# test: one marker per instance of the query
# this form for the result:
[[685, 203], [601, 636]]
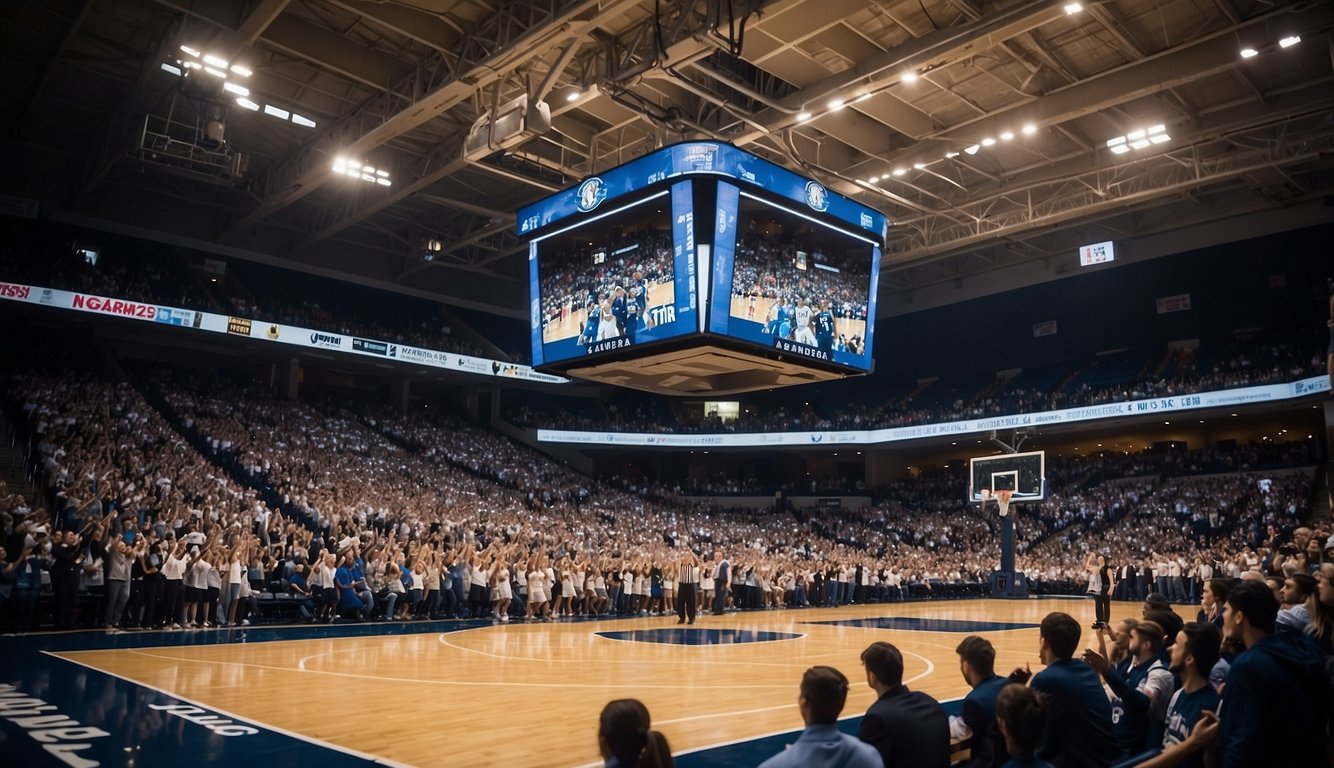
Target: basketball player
[[803, 334], [590, 333], [750, 302], [607, 326], [620, 310], [638, 283], [632, 306], [824, 328], [771, 315]]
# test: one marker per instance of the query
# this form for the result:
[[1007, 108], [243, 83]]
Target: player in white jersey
[[607, 329], [804, 334]]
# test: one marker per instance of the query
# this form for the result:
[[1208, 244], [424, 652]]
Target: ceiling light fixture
[[304, 122], [215, 61], [1007, 135], [1030, 129], [803, 117], [835, 104], [988, 141], [1072, 8], [900, 171], [1247, 53], [216, 72], [1289, 41], [909, 77], [919, 166], [242, 70], [247, 104], [190, 51], [172, 68], [951, 155], [277, 112], [365, 172], [239, 90], [574, 95], [971, 150]]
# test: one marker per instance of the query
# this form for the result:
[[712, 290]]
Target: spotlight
[[1072, 8], [1289, 41], [1030, 129], [909, 77], [988, 141], [1247, 53], [803, 117], [835, 104], [1007, 135]]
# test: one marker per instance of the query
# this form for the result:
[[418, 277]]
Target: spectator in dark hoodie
[[1276, 702]]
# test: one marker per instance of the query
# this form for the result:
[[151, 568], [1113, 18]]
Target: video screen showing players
[[799, 282], [609, 283]]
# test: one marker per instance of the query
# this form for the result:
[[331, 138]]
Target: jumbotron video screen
[[790, 281]]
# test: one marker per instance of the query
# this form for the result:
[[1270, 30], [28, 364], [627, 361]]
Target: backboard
[[1023, 473]]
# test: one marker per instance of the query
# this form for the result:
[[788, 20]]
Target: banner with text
[[1158, 405], [260, 329]]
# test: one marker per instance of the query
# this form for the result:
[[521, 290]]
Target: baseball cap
[[1157, 599]]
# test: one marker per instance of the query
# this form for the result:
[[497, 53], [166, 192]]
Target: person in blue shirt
[[626, 738], [1080, 731], [977, 662], [1021, 718], [27, 575], [1193, 657], [348, 601], [824, 691], [1277, 698], [824, 327]]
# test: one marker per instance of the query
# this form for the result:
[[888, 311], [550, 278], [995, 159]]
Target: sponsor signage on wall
[[310, 338]]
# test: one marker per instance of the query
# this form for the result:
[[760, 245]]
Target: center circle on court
[[693, 636]]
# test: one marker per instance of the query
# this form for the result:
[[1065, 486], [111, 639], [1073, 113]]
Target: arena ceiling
[[981, 129]]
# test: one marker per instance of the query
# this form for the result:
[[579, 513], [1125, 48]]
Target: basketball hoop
[[1003, 500]]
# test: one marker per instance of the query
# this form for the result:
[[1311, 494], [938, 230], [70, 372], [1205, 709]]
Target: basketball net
[[1003, 500]]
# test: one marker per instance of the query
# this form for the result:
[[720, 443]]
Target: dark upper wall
[[1229, 285]]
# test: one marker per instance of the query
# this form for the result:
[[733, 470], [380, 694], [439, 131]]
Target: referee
[[687, 583]]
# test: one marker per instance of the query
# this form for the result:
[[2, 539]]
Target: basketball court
[[842, 326], [464, 693]]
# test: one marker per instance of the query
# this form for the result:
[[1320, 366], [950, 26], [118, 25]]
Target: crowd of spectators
[[261, 490]]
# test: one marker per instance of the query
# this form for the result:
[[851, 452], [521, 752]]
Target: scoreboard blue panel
[[782, 267]]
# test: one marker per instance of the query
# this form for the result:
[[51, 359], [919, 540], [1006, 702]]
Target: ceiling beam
[[309, 168]]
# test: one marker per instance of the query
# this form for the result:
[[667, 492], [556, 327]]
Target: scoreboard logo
[[591, 194], [817, 197]]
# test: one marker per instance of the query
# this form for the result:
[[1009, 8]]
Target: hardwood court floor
[[529, 694]]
